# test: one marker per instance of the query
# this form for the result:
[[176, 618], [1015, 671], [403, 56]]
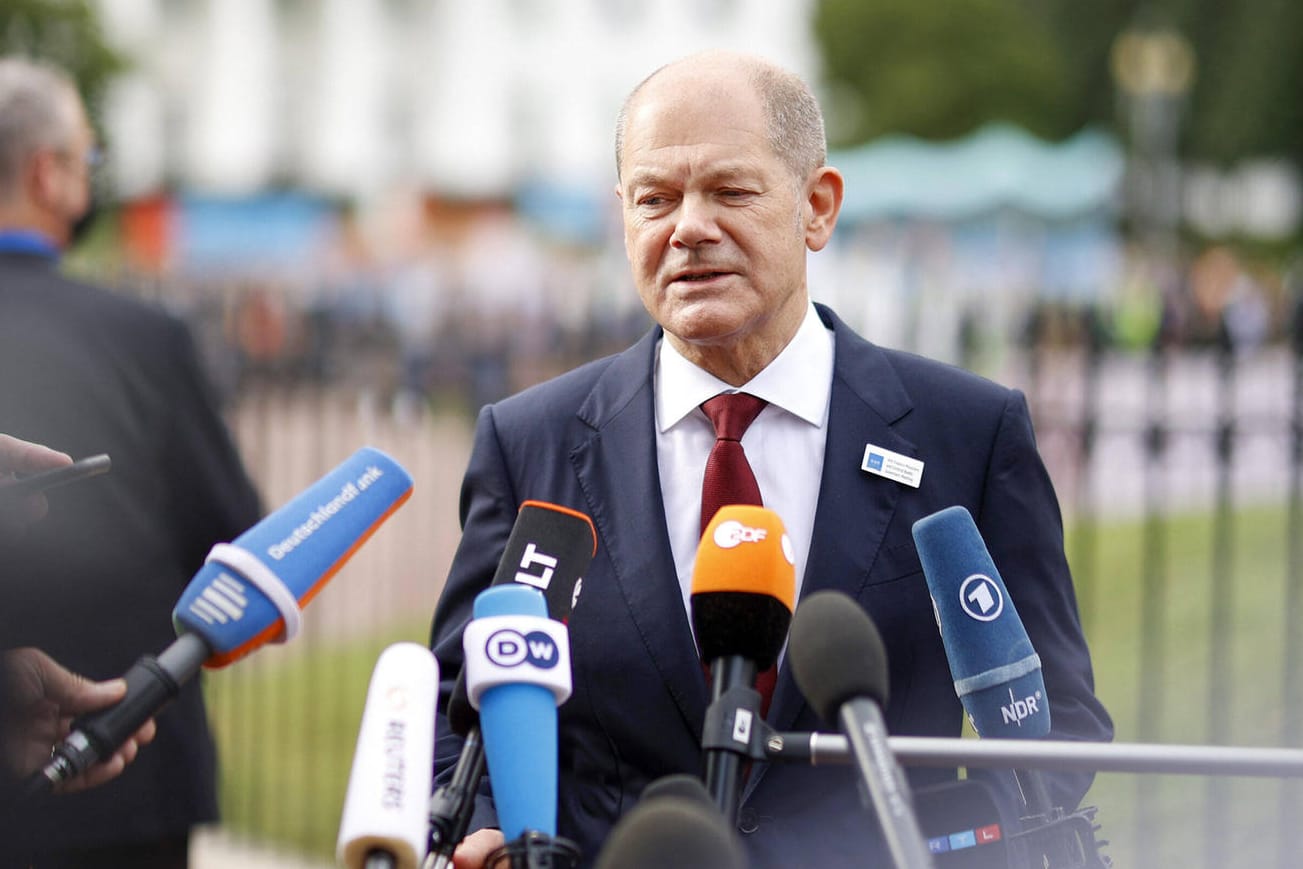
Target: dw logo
[[980, 597], [508, 648]]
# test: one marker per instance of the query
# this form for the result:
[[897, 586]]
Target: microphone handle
[[1055, 850], [452, 804], [1035, 795], [724, 766], [867, 734], [151, 684]]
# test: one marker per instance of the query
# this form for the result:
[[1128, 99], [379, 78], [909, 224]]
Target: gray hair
[[38, 106], [792, 115]]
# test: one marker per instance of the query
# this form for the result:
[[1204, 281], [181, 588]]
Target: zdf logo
[[508, 648], [732, 532]]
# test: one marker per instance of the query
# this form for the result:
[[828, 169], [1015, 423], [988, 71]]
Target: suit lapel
[[615, 461], [854, 507]]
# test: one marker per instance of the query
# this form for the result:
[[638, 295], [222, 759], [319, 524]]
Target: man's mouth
[[698, 277]]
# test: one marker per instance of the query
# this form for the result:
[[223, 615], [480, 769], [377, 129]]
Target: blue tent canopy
[[998, 166]]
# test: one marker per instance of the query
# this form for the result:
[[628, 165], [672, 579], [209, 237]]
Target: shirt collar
[[27, 241], [807, 359]]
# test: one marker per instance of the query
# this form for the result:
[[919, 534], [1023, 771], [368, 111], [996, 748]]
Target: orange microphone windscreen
[[743, 585]]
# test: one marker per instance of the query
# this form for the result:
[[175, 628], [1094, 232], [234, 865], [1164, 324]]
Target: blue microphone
[[997, 673], [249, 592], [517, 673]]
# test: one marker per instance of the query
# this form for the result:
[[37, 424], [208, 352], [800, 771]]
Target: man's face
[[66, 173], [714, 221], [79, 156]]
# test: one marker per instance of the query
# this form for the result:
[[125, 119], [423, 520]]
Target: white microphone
[[386, 823]]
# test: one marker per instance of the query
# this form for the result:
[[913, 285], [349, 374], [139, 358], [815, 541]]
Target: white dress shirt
[[784, 445]]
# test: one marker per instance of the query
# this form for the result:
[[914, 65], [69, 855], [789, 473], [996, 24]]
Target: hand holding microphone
[[42, 696], [247, 594]]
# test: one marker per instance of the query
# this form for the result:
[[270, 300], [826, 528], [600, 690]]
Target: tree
[[63, 32], [938, 69]]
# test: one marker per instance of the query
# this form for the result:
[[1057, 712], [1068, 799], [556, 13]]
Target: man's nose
[[696, 223]]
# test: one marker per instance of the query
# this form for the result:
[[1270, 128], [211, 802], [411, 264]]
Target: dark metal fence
[[1179, 469]]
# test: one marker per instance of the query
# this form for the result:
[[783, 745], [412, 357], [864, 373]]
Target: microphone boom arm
[[1062, 755]]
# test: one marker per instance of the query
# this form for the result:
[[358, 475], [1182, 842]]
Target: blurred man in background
[[93, 584]]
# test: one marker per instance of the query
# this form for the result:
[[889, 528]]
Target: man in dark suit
[[85, 371], [724, 188]]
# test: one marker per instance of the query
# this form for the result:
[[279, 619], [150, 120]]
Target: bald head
[[39, 108], [793, 120]]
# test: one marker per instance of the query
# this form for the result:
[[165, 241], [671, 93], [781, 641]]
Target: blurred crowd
[[465, 304]]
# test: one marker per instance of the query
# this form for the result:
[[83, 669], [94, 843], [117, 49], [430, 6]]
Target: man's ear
[[824, 193], [619, 194], [41, 177]]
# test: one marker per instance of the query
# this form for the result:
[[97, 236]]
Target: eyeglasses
[[92, 159]]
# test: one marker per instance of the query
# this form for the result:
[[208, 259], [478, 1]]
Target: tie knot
[[731, 413]]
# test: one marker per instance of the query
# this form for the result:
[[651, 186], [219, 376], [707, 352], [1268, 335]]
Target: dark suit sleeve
[[1020, 521], [488, 512]]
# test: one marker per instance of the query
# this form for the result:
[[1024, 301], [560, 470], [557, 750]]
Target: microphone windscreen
[[672, 831], [550, 547], [249, 592], [743, 586], [386, 805], [518, 720], [996, 671], [680, 786], [836, 653]]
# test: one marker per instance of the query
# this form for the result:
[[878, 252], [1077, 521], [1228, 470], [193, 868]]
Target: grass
[[287, 724], [1163, 680]]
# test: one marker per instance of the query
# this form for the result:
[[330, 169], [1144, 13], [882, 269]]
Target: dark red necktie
[[730, 480]]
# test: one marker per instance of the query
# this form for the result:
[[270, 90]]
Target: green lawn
[[286, 723]]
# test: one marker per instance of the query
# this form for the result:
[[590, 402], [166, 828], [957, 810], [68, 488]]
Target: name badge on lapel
[[893, 466]]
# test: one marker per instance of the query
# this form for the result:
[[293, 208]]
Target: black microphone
[[840, 665], [743, 584], [549, 548], [680, 785], [675, 824]]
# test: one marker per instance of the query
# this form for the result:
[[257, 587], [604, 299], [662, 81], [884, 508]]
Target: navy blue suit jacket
[[586, 440]]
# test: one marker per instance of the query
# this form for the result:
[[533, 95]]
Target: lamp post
[[1153, 69]]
